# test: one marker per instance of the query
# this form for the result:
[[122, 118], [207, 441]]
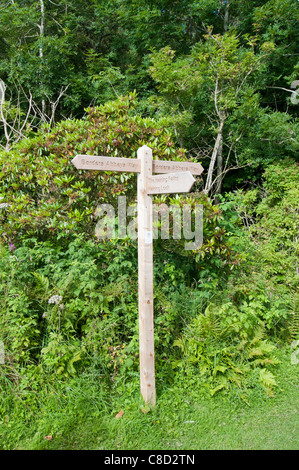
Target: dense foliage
[[211, 81]]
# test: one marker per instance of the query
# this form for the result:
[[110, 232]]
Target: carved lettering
[[93, 162]]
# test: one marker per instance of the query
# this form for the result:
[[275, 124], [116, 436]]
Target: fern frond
[[216, 389], [267, 379], [265, 361], [294, 319], [42, 282], [258, 335], [260, 349], [212, 326]]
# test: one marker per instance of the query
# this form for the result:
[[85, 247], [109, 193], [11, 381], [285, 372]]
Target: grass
[[80, 415]]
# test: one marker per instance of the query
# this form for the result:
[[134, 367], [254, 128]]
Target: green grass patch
[[80, 414]]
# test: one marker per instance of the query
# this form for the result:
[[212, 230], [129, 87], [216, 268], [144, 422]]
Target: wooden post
[[145, 278]]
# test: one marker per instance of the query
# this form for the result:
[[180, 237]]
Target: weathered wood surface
[[96, 162], [180, 182], [145, 278]]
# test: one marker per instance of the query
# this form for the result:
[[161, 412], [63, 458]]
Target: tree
[[214, 84], [20, 114], [101, 50], [41, 52]]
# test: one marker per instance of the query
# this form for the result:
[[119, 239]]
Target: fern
[[267, 379], [42, 282], [257, 349], [42, 286], [294, 319], [209, 327], [225, 358], [258, 335]]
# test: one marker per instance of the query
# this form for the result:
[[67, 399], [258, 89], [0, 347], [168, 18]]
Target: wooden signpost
[[177, 178]]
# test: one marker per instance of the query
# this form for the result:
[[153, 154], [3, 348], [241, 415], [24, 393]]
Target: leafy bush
[[270, 216], [268, 280], [52, 296], [48, 197], [225, 353]]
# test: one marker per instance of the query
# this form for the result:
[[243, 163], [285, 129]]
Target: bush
[[224, 351], [48, 197]]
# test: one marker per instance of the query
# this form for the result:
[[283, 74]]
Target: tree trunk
[[41, 52], [2, 117], [226, 16], [219, 166], [218, 143]]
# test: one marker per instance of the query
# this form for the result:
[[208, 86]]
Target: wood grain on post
[[145, 278]]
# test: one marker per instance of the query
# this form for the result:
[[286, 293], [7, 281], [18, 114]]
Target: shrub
[[48, 197], [224, 353]]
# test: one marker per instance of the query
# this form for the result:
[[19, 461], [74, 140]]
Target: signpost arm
[[145, 278]]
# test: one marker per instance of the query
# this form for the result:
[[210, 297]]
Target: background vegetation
[[210, 81]]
